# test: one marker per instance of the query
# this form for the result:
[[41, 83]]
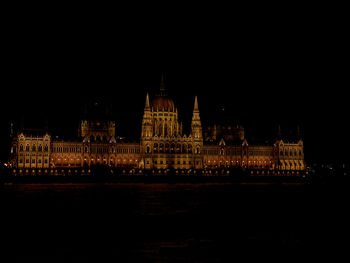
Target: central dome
[[163, 103]]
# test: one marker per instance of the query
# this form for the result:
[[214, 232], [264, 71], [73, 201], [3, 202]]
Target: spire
[[196, 104], [46, 124], [147, 101], [162, 90], [279, 132], [11, 130], [196, 126]]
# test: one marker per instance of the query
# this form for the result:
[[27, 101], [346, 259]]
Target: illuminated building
[[163, 145]]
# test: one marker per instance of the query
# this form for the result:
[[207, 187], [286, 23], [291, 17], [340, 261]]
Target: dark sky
[[262, 74]]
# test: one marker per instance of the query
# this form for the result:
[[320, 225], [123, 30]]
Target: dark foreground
[[178, 222]]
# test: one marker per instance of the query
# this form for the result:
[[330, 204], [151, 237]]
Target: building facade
[[163, 145]]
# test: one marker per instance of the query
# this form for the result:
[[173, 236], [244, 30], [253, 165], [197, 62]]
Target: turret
[[196, 126], [147, 120]]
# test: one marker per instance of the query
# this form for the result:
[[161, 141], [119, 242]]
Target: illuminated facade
[[162, 145]]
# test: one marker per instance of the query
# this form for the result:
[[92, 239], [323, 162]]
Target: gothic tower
[[163, 143], [196, 126], [197, 136]]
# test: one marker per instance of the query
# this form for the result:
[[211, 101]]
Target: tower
[[196, 126], [197, 136]]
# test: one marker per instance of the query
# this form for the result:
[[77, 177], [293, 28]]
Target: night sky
[[262, 75]]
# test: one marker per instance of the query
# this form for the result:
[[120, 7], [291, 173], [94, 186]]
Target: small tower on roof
[[196, 126], [162, 90]]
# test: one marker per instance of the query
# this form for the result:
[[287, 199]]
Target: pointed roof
[[162, 90], [196, 104], [147, 101], [279, 132], [161, 101]]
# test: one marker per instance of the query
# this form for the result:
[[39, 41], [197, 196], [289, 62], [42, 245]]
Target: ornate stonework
[[163, 145]]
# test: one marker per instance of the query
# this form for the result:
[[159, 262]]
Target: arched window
[[167, 148], [189, 148], [197, 150], [21, 147], [184, 148], [27, 147], [40, 148], [148, 149], [46, 149], [178, 148], [161, 148], [172, 149], [34, 148], [155, 147]]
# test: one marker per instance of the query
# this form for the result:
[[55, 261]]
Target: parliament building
[[162, 146]]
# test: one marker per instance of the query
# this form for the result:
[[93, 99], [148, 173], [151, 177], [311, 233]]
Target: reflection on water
[[160, 222]]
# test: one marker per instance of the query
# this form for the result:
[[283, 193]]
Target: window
[[40, 149], [46, 149], [27, 147], [21, 148]]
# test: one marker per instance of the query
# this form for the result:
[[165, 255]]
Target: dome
[[162, 102]]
